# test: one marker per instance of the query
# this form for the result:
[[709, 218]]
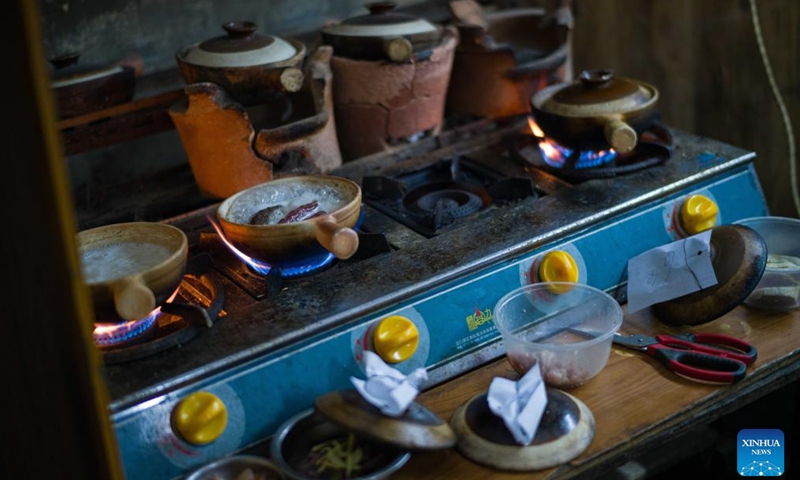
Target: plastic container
[[779, 287], [235, 467], [567, 327], [292, 446]]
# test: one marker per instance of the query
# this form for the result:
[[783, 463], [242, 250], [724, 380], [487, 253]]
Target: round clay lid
[[241, 47], [565, 430], [416, 429], [738, 257], [597, 92], [381, 22], [68, 72]]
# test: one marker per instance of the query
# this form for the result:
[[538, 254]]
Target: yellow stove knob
[[395, 339], [200, 418], [698, 213], [558, 266]]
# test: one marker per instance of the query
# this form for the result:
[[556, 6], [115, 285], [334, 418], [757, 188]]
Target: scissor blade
[[638, 342]]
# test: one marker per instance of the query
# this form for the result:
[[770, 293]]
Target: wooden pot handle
[[398, 49], [132, 298], [341, 241], [620, 135]]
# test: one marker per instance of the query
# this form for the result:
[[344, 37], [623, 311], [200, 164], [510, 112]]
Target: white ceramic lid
[[242, 47], [381, 23]]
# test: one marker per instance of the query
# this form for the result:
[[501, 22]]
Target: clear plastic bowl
[[567, 328], [779, 287]]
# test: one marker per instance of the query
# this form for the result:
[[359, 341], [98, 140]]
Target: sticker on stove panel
[[185, 455], [670, 214], [528, 268], [362, 338]]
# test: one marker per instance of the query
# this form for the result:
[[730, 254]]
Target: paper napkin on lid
[[520, 404], [386, 388]]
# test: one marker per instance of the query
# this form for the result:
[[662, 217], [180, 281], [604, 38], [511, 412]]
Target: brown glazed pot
[[130, 268], [247, 65], [382, 35], [277, 243], [82, 89], [596, 112]]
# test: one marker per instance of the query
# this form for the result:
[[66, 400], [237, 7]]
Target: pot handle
[[398, 49], [133, 300], [621, 136], [341, 241]]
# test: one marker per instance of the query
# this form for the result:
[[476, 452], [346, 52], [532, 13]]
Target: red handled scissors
[[708, 357]]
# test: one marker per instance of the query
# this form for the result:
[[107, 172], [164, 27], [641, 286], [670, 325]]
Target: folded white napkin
[[387, 388], [520, 404]]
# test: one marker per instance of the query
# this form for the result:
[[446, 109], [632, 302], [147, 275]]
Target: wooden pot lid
[[566, 429], [417, 429], [739, 257]]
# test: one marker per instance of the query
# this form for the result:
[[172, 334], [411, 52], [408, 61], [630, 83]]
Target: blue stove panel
[[454, 321]]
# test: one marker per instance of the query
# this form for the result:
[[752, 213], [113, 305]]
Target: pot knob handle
[[65, 60], [621, 136], [398, 49], [596, 78], [380, 8], [132, 299], [240, 29], [341, 241]]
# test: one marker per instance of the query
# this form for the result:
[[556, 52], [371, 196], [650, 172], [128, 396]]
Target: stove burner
[[444, 199], [197, 306], [110, 334], [653, 148], [295, 268], [434, 196]]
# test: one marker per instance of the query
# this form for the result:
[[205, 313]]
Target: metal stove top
[[276, 352]]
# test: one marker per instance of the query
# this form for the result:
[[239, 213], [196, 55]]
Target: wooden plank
[[637, 403]]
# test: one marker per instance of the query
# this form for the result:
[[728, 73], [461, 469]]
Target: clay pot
[[278, 243], [249, 66], [81, 89], [382, 35], [499, 66], [130, 268], [596, 112]]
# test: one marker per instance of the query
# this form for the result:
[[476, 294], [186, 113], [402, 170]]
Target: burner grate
[[198, 305], [431, 198]]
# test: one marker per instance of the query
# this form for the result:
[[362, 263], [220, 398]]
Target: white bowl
[[779, 288]]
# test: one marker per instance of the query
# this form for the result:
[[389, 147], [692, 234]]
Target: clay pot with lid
[[382, 34], [247, 65], [597, 112], [83, 88]]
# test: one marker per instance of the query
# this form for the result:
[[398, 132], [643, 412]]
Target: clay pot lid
[[381, 22], [241, 47], [739, 258], [597, 92], [566, 429], [417, 429], [68, 72]]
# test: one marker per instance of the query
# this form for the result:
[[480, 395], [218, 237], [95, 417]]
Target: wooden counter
[[636, 402]]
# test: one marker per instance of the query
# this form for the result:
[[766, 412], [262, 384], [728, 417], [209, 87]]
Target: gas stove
[[445, 233]]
